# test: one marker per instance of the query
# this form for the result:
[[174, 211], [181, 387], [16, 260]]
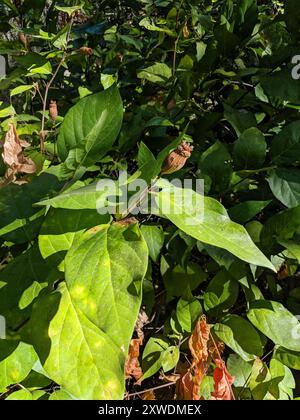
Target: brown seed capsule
[[185, 31], [53, 110], [23, 39], [86, 51], [177, 159]]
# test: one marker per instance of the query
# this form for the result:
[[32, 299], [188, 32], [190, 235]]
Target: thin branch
[[150, 389], [48, 85]]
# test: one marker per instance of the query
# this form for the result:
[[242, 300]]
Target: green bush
[[96, 88]]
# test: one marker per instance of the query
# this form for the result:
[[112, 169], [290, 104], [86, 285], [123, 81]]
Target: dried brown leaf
[[13, 155]]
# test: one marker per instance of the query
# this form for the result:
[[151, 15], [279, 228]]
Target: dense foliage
[[202, 303]]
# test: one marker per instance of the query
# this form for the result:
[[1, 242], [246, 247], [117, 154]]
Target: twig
[[150, 389], [48, 85]]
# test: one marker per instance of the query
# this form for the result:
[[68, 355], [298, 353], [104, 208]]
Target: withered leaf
[[222, 382], [132, 365], [13, 155]]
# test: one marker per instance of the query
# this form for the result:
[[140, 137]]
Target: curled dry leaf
[[189, 384], [222, 382], [13, 155], [132, 365]]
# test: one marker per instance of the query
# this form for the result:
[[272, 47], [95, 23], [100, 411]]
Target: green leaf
[[16, 361], [210, 224], [146, 23], [153, 354], [240, 369], [285, 185], [260, 381], [21, 282], [221, 293], [154, 237], [170, 358], [61, 228], [281, 85], [275, 322], [61, 394], [67, 341], [240, 336], [285, 147], [288, 357], [243, 212], [215, 163], [188, 312], [180, 280], [250, 149], [118, 258], [281, 226], [20, 89], [157, 73], [17, 211], [240, 119], [25, 394], [90, 197], [69, 10], [91, 126]]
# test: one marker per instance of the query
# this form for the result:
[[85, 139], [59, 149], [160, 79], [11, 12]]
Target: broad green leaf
[[20, 89], [214, 162], [283, 382], [243, 212], [260, 381], [21, 282], [25, 394], [240, 119], [285, 185], [157, 73], [221, 293], [250, 149], [146, 23], [118, 258], [105, 270], [154, 237], [238, 334], [16, 361], [240, 369], [210, 224], [282, 226], [281, 85], [91, 126], [61, 227], [288, 357], [275, 322], [153, 354], [69, 10], [285, 146], [17, 211], [90, 197], [61, 394], [188, 311], [170, 358], [147, 163], [75, 353], [180, 280]]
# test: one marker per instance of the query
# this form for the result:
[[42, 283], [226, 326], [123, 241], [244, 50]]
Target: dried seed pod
[[177, 159], [23, 38], [185, 31], [53, 110], [86, 51]]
